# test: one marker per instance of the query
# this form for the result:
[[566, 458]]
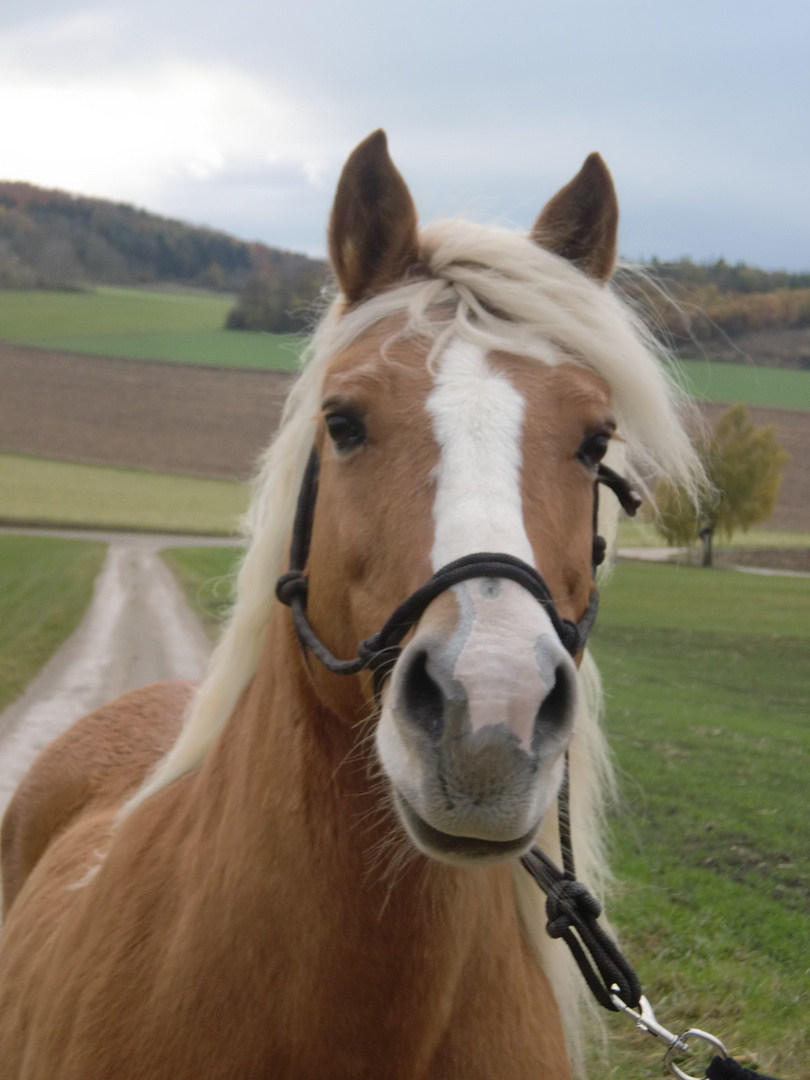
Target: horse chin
[[459, 850]]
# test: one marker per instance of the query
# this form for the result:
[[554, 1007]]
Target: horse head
[[440, 439]]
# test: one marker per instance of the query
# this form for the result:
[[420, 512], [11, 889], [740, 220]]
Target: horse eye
[[345, 431], [593, 449]]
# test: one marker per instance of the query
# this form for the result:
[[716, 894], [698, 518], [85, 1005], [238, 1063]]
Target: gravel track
[[138, 629]]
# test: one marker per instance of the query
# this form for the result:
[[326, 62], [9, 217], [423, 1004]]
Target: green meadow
[[707, 677], [779, 388], [206, 575], [141, 324], [45, 588], [186, 327], [42, 492]]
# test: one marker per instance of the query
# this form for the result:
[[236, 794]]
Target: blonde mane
[[502, 291]]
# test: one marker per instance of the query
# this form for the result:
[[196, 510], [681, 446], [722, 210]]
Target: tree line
[[687, 303], [727, 277]]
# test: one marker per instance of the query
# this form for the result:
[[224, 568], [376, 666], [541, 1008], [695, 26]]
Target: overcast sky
[[239, 115]]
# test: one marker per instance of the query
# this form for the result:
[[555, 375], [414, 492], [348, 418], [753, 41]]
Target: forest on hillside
[[54, 240], [724, 311]]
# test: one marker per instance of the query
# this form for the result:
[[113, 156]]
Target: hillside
[[730, 313], [54, 240]]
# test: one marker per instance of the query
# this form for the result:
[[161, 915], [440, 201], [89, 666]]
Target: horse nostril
[[424, 700], [557, 708]]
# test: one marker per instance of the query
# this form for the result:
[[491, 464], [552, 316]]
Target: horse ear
[[372, 230], [581, 221]]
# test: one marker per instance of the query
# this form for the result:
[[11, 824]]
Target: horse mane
[[502, 291]]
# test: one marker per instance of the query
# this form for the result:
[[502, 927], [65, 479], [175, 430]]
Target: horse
[[308, 866]]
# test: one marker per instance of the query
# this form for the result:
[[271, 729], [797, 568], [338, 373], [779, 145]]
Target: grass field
[[33, 490], [752, 385], [140, 324], [144, 324], [206, 576], [45, 588], [707, 677], [708, 690]]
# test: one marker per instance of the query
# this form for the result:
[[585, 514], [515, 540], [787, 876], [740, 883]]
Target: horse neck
[[288, 869], [298, 790]]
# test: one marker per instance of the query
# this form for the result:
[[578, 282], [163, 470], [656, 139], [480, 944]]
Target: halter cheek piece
[[380, 652], [569, 905]]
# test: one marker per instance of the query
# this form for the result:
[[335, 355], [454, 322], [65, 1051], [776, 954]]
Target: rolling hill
[[55, 240]]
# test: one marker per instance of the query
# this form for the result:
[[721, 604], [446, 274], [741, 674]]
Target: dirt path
[[138, 629]]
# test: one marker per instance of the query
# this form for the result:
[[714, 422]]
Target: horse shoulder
[[95, 764]]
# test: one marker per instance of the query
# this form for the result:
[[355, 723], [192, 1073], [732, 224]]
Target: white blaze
[[478, 422], [499, 661]]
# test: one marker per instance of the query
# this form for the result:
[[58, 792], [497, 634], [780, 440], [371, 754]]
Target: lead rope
[[611, 979], [569, 907]]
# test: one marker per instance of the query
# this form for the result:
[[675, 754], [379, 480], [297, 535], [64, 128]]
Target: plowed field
[[198, 421], [213, 422]]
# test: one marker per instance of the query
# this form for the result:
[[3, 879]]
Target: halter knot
[[567, 903], [570, 636], [369, 649], [599, 550], [291, 585]]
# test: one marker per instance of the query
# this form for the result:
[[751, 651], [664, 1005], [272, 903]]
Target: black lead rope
[[569, 906], [728, 1069]]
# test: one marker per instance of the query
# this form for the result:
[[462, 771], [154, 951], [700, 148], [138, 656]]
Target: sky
[[239, 115]]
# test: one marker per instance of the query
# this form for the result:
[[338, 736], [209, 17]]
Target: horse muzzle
[[475, 722]]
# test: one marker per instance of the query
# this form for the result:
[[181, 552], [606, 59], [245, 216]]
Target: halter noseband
[[380, 652]]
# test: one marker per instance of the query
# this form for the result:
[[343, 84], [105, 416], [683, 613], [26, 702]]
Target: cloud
[[240, 115], [79, 114]]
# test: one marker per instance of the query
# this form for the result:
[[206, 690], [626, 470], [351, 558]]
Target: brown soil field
[[785, 348], [177, 418], [214, 422]]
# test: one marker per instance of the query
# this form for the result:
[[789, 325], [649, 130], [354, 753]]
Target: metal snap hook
[[646, 1021]]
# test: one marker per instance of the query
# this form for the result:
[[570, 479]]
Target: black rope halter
[[380, 652], [569, 905]]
